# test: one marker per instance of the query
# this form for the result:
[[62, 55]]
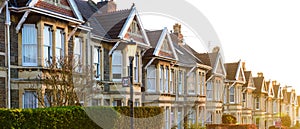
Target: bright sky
[[263, 33]]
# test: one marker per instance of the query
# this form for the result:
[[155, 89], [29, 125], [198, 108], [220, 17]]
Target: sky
[[263, 33]]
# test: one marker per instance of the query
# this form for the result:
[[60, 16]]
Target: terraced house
[[193, 88]]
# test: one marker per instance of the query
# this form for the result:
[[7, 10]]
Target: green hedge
[[80, 118]]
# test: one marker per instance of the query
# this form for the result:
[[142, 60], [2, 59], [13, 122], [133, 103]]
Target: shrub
[[77, 118], [228, 119], [286, 120]]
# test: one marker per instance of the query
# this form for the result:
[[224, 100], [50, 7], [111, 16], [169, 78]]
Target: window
[[202, 84], [244, 99], [47, 45], [78, 51], [161, 83], [209, 117], [191, 83], [218, 88], [179, 118], [117, 65], [60, 42], [231, 94], [172, 82], [209, 91], [199, 83], [134, 27], [180, 81], [225, 95], [167, 118], [97, 62], [166, 80], [257, 103], [29, 45], [151, 79], [137, 102], [96, 102], [274, 107], [106, 102], [30, 99], [117, 103], [136, 68], [172, 117]]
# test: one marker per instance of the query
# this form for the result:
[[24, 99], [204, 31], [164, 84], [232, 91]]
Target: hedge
[[231, 126], [80, 118]]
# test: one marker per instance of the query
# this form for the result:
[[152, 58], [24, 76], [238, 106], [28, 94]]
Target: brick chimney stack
[[177, 32], [106, 6], [260, 74]]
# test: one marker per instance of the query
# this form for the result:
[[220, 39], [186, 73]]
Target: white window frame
[[117, 64], [198, 87], [191, 83], [34, 101], [180, 82], [29, 38], [60, 43], [97, 62], [161, 79], [209, 91], [78, 53], [172, 81], [47, 37], [257, 103], [166, 88], [151, 77], [136, 68], [202, 84], [232, 94]]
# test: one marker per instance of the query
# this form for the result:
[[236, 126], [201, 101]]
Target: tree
[[65, 82], [228, 119], [286, 121]]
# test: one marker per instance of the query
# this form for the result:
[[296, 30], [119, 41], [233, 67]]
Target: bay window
[[166, 80], [78, 54], [136, 68], [29, 45], [209, 91], [191, 83], [161, 83], [180, 81], [231, 94]]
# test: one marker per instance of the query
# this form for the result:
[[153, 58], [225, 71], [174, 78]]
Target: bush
[[286, 120], [77, 118], [228, 119], [227, 126]]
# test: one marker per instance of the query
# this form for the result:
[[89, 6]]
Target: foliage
[[64, 82], [286, 120], [228, 119], [77, 118], [195, 126], [273, 127]]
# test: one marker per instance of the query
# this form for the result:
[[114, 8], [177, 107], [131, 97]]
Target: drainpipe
[[7, 40]]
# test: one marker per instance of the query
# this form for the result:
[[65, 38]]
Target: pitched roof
[[276, 88], [208, 58], [87, 8], [289, 97], [154, 36], [258, 82], [231, 69], [248, 76]]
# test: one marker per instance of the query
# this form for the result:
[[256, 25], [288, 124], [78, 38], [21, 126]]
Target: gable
[[164, 47], [64, 7], [133, 29], [271, 91], [134, 32], [219, 68], [240, 74]]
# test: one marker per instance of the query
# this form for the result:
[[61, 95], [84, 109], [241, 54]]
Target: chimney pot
[[106, 6]]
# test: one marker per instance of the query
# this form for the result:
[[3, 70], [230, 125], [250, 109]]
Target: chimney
[[177, 32], [260, 74], [274, 82], [216, 49], [106, 6]]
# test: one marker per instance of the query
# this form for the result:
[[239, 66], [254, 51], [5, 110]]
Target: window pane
[[29, 41], [30, 100], [117, 65], [151, 78]]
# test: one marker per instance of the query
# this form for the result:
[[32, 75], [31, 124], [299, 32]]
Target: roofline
[[75, 9], [47, 13]]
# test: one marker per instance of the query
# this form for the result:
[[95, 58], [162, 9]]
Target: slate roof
[[231, 69], [153, 37], [289, 97], [248, 75], [258, 82], [87, 8], [209, 59], [276, 90]]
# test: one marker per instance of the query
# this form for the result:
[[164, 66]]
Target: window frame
[[34, 44], [153, 78], [97, 62], [118, 64], [60, 48], [35, 104], [232, 94]]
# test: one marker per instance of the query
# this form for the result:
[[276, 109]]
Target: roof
[[276, 90], [248, 75], [258, 82], [154, 36], [231, 69], [289, 97], [208, 58], [87, 8]]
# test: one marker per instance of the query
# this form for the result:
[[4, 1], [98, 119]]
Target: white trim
[[2, 6], [75, 9], [114, 48], [32, 3], [179, 51], [149, 63], [128, 22], [160, 41], [171, 44], [217, 63], [240, 69], [188, 74], [24, 17]]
